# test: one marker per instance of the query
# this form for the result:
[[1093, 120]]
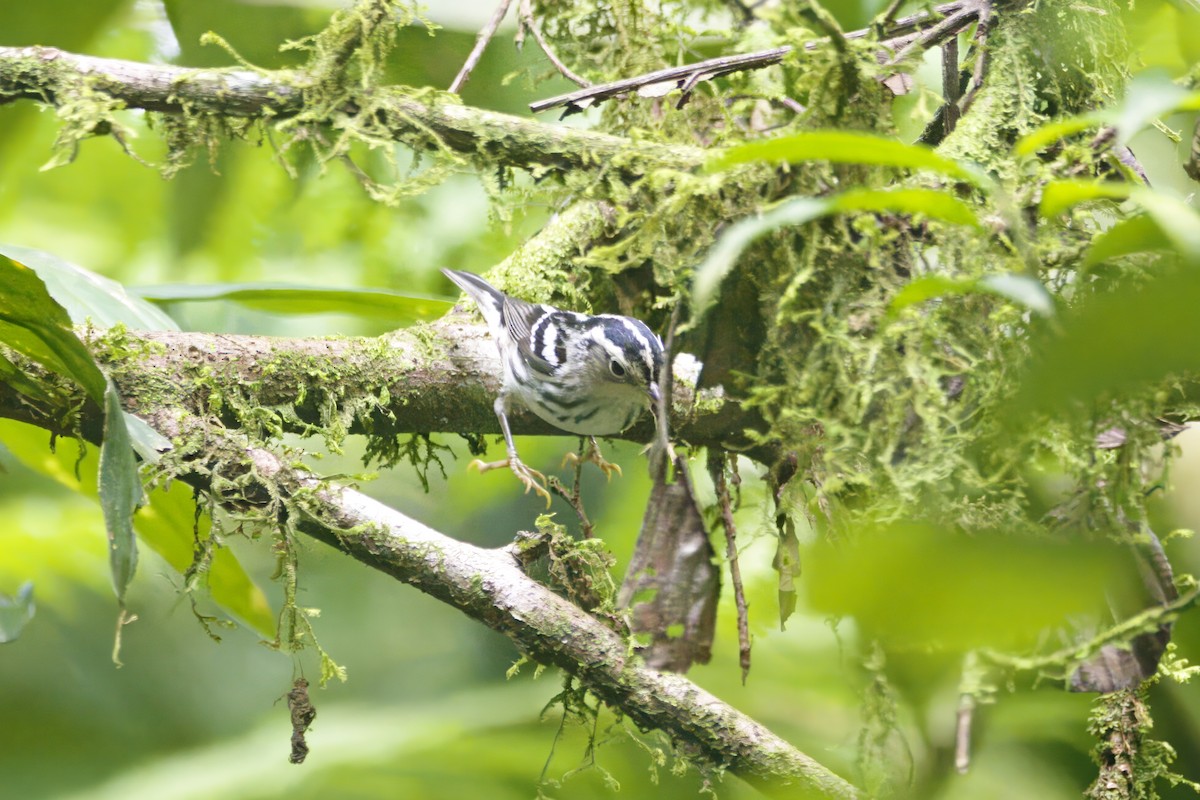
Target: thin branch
[[481, 43], [573, 496], [962, 733], [716, 468], [525, 12], [950, 85], [661, 81], [982, 57], [967, 13]]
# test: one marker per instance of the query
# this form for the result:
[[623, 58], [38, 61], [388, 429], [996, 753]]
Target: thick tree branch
[[46, 74], [435, 378], [487, 585]]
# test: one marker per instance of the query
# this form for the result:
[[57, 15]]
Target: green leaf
[[845, 147], [120, 490], [86, 295], [1035, 140], [15, 612], [927, 287], [1149, 96], [1178, 221], [165, 524], [1121, 341], [147, 442], [1058, 196], [282, 298], [17, 379], [33, 324], [1021, 289], [925, 202], [988, 589], [1134, 235]]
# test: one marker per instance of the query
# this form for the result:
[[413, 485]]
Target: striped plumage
[[592, 375]]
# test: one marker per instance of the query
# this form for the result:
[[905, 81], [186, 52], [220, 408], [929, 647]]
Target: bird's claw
[[592, 453], [527, 475]]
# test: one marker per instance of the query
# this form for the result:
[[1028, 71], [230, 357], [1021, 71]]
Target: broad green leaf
[[1178, 221], [86, 295], [1149, 96], [1053, 131], [926, 202], [33, 324], [25, 305], [1021, 289], [120, 490], [147, 442], [927, 287], [845, 147], [282, 298], [1134, 235], [15, 612], [1120, 341], [1058, 196], [165, 524], [915, 585]]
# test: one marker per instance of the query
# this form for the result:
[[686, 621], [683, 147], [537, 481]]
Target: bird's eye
[[615, 367]]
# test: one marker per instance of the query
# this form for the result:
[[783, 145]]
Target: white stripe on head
[[646, 349]]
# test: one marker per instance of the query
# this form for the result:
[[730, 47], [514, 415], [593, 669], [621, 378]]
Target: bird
[[588, 374]]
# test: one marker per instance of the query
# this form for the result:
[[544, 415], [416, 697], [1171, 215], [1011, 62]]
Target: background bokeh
[[427, 711]]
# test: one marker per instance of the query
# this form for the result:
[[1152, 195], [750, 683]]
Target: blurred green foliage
[[427, 711]]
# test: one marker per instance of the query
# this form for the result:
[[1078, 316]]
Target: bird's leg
[[526, 475], [591, 452]]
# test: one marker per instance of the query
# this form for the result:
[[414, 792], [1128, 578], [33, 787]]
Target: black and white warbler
[[592, 375]]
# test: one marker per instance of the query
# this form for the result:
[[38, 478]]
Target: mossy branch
[[436, 378], [46, 74], [485, 584]]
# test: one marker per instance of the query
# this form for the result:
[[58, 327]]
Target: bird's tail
[[489, 299]]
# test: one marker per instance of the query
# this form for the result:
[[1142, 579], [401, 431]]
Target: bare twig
[[962, 733], [1192, 165], [661, 81], [653, 82], [573, 496], [968, 12], [527, 21], [982, 56], [885, 17], [716, 468], [481, 43], [950, 85]]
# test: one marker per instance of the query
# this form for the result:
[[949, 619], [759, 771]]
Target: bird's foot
[[591, 452], [527, 475]]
